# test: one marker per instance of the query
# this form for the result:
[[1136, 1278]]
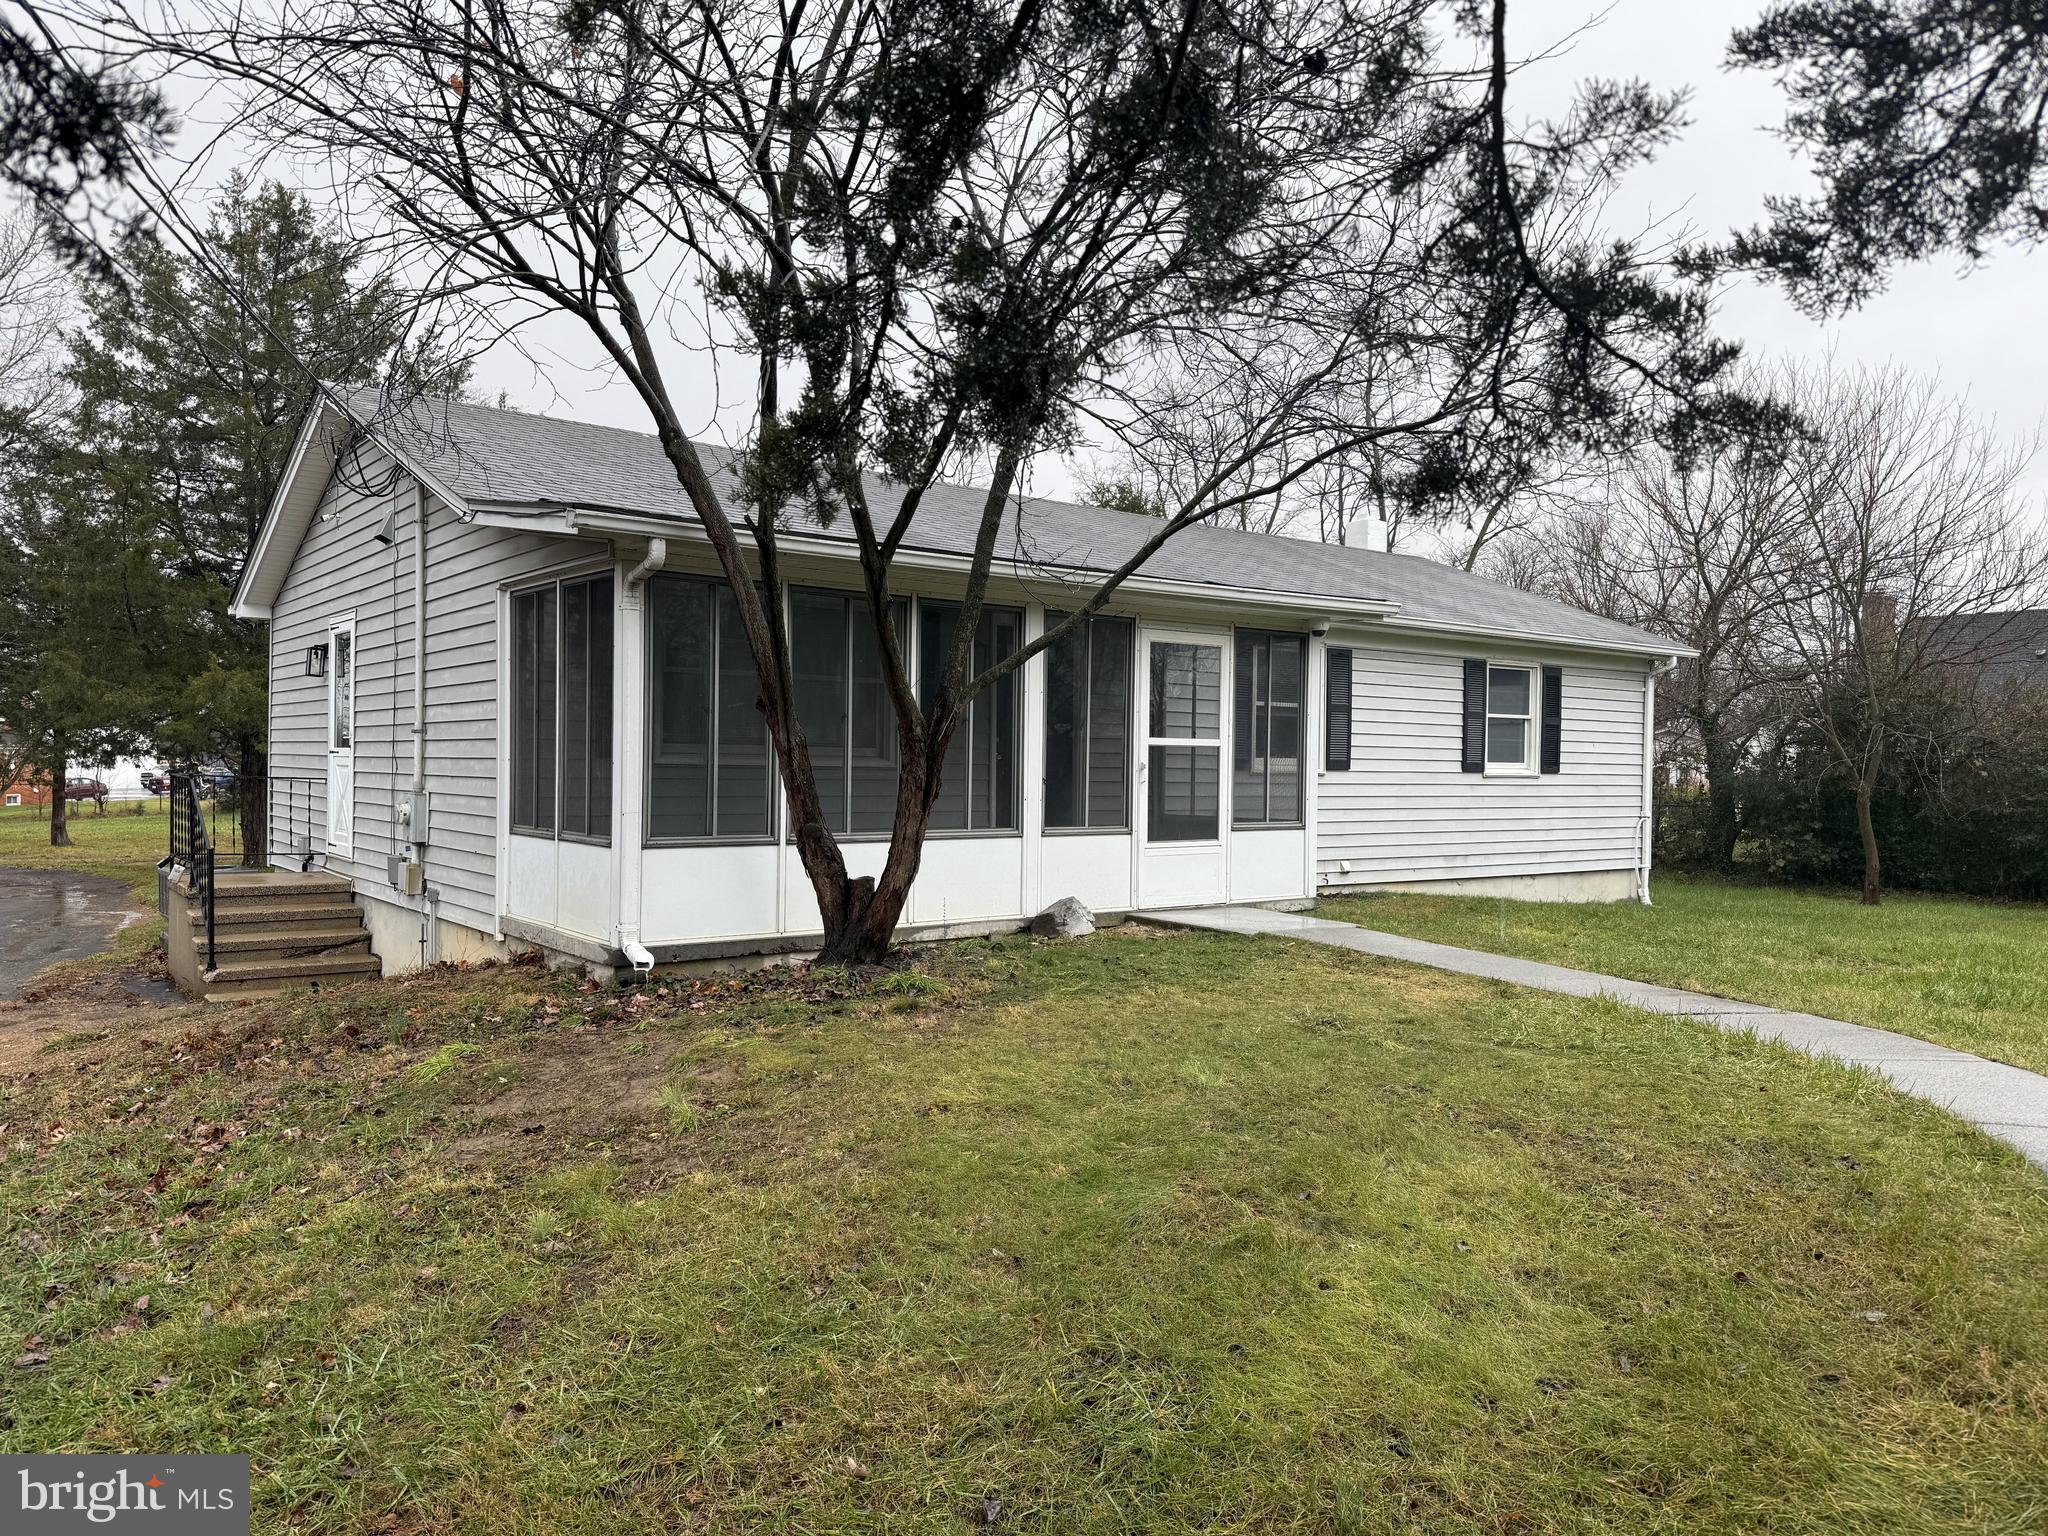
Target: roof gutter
[[569, 519]]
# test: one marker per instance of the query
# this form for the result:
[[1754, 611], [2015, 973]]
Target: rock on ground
[[1064, 919]]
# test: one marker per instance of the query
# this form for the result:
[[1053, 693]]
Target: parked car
[[156, 783], [86, 789]]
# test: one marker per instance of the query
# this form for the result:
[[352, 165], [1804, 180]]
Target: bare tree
[[950, 232], [1908, 525], [1689, 551], [31, 309]]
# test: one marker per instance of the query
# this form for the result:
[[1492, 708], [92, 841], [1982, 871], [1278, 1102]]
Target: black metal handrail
[[192, 848]]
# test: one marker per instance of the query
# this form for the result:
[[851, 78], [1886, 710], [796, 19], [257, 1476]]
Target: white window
[[1510, 719], [14, 799]]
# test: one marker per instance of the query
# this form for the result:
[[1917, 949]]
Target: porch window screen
[[709, 771], [562, 709], [842, 700], [533, 710], [1088, 726], [978, 784], [1265, 788]]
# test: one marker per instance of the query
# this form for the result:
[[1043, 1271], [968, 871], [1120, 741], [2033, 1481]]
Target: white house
[[573, 760]]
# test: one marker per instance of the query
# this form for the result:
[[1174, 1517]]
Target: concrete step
[[249, 941], [290, 914], [252, 890], [303, 968], [270, 990]]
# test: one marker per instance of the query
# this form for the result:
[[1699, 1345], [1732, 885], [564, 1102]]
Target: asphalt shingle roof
[[2008, 649], [515, 458]]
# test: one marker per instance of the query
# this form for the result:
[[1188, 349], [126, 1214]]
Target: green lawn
[[1969, 974], [125, 843], [1144, 1233]]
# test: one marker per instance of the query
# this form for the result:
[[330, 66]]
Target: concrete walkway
[[2002, 1101]]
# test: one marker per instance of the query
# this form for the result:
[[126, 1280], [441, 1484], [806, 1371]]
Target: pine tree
[[191, 393]]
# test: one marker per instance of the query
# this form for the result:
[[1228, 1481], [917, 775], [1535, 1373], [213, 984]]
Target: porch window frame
[[1132, 734], [1257, 644], [1018, 722], [1529, 765], [556, 832], [857, 612], [777, 802]]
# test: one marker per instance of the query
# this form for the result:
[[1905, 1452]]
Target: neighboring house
[[2005, 652], [18, 784], [1257, 719]]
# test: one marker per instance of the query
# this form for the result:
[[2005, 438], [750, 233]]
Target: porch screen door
[[341, 736], [1180, 859]]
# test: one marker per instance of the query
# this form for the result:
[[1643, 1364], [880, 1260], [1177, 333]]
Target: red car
[[86, 789]]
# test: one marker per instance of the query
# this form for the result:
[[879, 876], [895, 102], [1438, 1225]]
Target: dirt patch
[[576, 1087], [52, 1022]]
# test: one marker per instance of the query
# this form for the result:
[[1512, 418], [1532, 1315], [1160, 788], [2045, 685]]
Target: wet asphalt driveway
[[48, 915]]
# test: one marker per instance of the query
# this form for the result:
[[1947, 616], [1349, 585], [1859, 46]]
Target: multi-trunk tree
[[956, 235]]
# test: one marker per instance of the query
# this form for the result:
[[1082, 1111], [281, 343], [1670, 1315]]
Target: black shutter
[[1553, 719], [1474, 760], [1337, 709]]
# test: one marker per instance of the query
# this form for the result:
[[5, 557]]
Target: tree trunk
[[253, 809], [1724, 817], [870, 908], [1873, 885], [60, 808]]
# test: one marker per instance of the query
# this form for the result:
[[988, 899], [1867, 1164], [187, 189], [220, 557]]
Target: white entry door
[[341, 736], [1181, 785]]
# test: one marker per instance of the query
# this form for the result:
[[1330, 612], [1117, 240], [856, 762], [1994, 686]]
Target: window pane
[[997, 637], [1507, 691], [1187, 690], [745, 760], [600, 794], [818, 645], [1067, 719], [1109, 724], [978, 784], [344, 690], [1182, 796], [1286, 655], [936, 622], [1507, 742], [876, 751], [533, 709], [1249, 713], [679, 614], [575, 601]]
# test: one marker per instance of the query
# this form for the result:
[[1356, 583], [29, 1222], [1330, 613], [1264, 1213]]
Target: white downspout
[[632, 716], [1647, 822], [416, 829]]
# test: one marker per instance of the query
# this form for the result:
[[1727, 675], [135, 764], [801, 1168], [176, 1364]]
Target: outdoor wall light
[[316, 661]]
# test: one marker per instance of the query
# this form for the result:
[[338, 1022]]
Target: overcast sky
[[1981, 331]]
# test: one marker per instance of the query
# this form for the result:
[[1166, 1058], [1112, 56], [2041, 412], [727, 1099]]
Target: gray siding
[[1405, 811], [340, 567]]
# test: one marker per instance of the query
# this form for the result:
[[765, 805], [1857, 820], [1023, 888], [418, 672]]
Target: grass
[[1969, 974], [124, 844], [1143, 1233]]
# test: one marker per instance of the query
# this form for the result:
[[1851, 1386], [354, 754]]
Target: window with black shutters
[[978, 784], [1266, 784], [562, 709], [1088, 726]]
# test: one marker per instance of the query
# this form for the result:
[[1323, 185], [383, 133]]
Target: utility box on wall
[[408, 867]]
